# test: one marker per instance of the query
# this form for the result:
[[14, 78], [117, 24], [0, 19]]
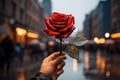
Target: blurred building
[[95, 23], [115, 12], [22, 19], [47, 5], [88, 27], [104, 8], [98, 21], [91, 24]]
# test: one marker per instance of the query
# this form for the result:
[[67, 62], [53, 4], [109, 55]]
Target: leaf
[[70, 43], [72, 51], [79, 41]]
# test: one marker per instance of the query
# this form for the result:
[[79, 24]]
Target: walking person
[[8, 47]]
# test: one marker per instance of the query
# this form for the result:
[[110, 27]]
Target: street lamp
[[102, 40], [107, 35], [21, 31], [115, 35], [99, 40], [32, 35], [20, 36], [96, 40]]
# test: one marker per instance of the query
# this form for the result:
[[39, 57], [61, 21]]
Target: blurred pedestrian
[[8, 47], [51, 67], [19, 51], [2, 56], [42, 49], [2, 62], [35, 52], [2, 53]]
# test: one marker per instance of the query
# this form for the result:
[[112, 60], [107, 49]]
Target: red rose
[[59, 25]]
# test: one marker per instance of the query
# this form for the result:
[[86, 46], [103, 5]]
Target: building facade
[[47, 5], [115, 12], [87, 30], [99, 20], [25, 14], [104, 8], [95, 23]]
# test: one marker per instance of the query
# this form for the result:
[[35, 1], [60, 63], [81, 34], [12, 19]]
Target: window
[[14, 10], [21, 14], [2, 5]]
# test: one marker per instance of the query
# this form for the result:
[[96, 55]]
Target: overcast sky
[[78, 8]]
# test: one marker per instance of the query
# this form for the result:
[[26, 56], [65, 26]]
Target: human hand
[[53, 65]]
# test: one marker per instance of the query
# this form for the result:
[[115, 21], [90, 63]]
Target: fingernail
[[63, 53]]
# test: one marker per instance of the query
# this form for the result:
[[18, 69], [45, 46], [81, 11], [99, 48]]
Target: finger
[[60, 72], [58, 60], [57, 74], [53, 56], [63, 53], [61, 65]]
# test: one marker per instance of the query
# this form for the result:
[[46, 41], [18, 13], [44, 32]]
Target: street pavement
[[97, 65], [22, 70]]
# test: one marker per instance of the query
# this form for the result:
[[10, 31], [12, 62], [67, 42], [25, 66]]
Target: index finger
[[58, 60], [53, 56]]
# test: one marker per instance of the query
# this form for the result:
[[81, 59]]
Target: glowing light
[[32, 35], [86, 59], [107, 35], [102, 40], [100, 62], [51, 43], [99, 40], [98, 59], [21, 31], [115, 35], [108, 74], [102, 66], [21, 76], [75, 65], [96, 40]]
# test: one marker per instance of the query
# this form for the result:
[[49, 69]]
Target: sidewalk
[[22, 70]]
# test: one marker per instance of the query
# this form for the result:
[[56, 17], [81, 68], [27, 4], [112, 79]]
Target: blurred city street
[[92, 66], [88, 30], [21, 70], [97, 65]]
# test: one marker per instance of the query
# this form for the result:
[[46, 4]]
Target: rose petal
[[59, 26], [71, 18], [54, 26], [49, 25], [58, 17], [51, 32], [65, 27], [57, 23], [66, 33], [69, 25]]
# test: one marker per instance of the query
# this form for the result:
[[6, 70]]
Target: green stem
[[60, 45]]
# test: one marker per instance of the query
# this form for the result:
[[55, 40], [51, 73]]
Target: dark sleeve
[[41, 76]]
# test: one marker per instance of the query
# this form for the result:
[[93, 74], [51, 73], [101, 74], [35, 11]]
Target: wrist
[[43, 76]]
